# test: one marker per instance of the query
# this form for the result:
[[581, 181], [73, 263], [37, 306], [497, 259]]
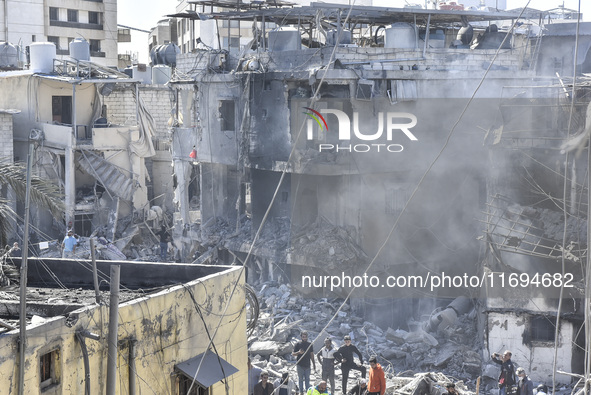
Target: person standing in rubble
[[164, 239], [346, 352], [253, 376], [377, 378], [69, 245], [263, 387], [304, 351], [507, 375], [524, 386], [326, 357], [284, 385]]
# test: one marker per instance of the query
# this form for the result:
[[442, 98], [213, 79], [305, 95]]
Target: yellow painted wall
[[168, 331]]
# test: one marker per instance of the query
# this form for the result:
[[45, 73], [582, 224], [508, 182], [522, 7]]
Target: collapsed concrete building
[[323, 150]]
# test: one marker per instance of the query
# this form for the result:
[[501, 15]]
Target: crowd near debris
[[420, 359]]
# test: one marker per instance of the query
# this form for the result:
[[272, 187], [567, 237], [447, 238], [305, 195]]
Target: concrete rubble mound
[[326, 245], [419, 360]]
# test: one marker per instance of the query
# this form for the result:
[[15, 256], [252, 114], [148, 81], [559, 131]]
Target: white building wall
[[506, 331]]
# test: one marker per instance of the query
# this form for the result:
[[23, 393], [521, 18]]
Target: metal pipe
[[113, 326], [427, 35], [94, 272], [23, 286], [82, 341], [132, 386], [6, 20]]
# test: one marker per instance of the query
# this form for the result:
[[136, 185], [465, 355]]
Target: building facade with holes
[[98, 163], [173, 333]]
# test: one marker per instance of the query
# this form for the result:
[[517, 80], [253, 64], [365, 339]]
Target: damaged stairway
[[113, 178]]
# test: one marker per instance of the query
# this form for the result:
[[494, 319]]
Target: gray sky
[[144, 14]]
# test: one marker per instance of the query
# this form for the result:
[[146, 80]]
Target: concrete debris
[[326, 245], [402, 353]]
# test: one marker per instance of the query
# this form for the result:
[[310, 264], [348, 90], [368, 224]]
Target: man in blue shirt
[[69, 245]]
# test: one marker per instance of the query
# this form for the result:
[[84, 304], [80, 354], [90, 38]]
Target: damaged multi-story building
[[355, 139], [96, 135]]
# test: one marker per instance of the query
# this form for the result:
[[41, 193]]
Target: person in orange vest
[[377, 378]]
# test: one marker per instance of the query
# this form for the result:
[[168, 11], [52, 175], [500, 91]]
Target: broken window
[[183, 383], [542, 329], [61, 109], [227, 115], [83, 224], [49, 368]]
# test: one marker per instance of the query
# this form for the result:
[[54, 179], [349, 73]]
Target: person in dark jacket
[[359, 389], [524, 386], [507, 375], [451, 388], [347, 360], [263, 387]]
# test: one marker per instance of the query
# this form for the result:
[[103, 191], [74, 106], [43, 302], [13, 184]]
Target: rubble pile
[[136, 242], [323, 242], [404, 354]]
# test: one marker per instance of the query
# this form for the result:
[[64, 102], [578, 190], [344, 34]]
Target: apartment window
[[55, 40], [184, 383], [61, 109], [95, 45], [227, 115], [72, 15], [94, 17], [49, 369], [542, 329], [54, 14]]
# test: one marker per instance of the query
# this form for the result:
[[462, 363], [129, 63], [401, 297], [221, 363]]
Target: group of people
[[514, 381], [328, 357]]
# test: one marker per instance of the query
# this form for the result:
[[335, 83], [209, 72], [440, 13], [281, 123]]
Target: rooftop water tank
[[331, 37], [8, 55], [42, 56], [165, 54], [161, 74], [400, 35], [142, 73], [80, 49], [284, 39]]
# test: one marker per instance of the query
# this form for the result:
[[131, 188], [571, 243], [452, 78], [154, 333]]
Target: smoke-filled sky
[[144, 14]]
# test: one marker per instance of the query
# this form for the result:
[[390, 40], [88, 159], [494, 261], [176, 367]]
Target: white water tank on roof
[[401, 35], [142, 73], [284, 39], [80, 49], [8, 55], [161, 74], [42, 56]]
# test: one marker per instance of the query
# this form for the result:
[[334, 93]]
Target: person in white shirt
[[285, 385], [327, 361]]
